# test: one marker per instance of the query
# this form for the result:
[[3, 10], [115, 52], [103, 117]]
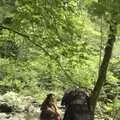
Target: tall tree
[[109, 9]]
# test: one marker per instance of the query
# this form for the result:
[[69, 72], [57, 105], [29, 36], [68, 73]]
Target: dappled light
[[58, 46]]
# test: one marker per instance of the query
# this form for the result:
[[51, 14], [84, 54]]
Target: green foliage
[[61, 50], [108, 9], [9, 49]]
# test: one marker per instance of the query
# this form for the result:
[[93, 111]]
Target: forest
[[55, 45]]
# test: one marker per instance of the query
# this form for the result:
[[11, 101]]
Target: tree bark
[[103, 67]]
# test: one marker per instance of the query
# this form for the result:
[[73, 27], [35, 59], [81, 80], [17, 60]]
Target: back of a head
[[49, 100], [70, 96]]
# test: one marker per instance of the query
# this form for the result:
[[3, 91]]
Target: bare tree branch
[[38, 45]]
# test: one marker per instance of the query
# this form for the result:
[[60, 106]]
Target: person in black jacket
[[77, 105]]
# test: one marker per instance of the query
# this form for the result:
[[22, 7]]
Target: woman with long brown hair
[[49, 109]]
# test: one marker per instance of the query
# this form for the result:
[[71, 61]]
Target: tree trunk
[[103, 67]]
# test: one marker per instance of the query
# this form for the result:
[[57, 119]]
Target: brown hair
[[49, 101]]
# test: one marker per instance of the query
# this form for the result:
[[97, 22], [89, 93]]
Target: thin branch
[[44, 50], [26, 36]]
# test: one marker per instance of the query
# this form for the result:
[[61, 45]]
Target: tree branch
[[43, 49], [104, 65]]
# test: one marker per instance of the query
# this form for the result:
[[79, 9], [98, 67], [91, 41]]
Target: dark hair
[[75, 94]]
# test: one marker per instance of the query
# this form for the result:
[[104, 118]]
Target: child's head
[[51, 98], [49, 101]]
